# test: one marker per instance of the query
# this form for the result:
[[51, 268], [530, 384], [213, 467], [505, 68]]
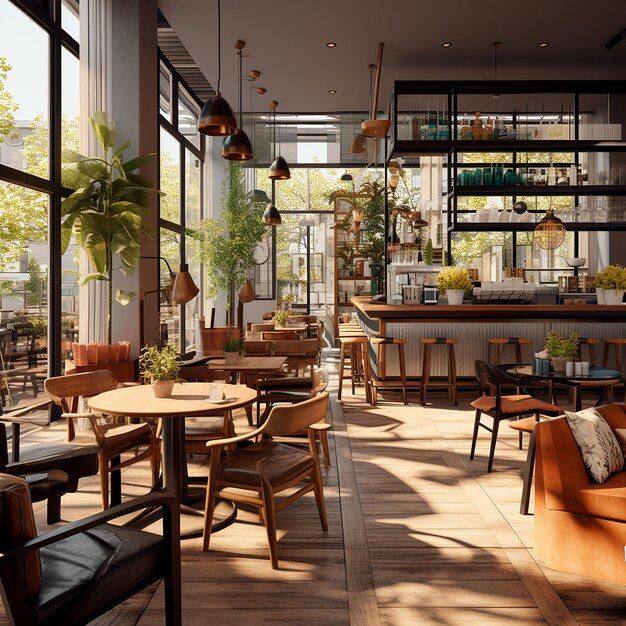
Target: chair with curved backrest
[[258, 348], [280, 334], [259, 328], [267, 468], [500, 407], [75, 573], [300, 353], [213, 339], [113, 438]]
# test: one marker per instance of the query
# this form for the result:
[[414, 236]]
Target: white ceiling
[[286, 40]]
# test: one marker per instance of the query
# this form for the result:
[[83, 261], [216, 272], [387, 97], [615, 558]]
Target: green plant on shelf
[[611, 277], [159, 365], [428, 252], [562, 347], [453, 277]]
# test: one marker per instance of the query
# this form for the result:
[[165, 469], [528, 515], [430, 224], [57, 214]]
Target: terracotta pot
[[231, 358], [163, 388]]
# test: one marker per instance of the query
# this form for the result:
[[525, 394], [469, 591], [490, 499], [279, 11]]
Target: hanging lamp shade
[[258, 195], [346, 178], [237, 147], [394, 181], [359, 144], [246, 293], [271, 216], [217, 118], [184, 289], [279, 169], [550, 232]]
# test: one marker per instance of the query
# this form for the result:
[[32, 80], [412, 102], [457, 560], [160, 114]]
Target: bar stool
[[527, 425], [381, 343], [495, 346], [451, 382], [590, 344], [355, 348], [618, 344]]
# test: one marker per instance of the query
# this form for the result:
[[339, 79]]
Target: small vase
[[558, 363], [163, 388], [231, 358], [613, 296], [600, 295], [455, 296]]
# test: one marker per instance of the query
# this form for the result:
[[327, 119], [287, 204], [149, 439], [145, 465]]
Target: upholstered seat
[[607, 500], [516, 405], [280, 462]]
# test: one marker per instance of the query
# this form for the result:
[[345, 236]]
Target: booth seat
[[580, 525]]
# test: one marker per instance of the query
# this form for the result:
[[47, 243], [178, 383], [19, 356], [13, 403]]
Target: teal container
[[487, 177], [498, 175]]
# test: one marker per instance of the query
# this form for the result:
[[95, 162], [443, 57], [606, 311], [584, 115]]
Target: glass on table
[[216, 391]]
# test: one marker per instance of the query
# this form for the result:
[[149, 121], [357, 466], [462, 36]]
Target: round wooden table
[[187, 400]]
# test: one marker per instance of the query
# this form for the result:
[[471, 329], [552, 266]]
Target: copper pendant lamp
[[271, 215], [184, 289], [374, 127], [279, 169], [237, 147], [217, 118], [246, 293], [550, 232]]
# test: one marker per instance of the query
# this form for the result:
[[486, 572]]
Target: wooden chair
[[381, 344], [450, 384], [300, 353], [284, 334], [213, 339], [527, 425], [497, 344], [353, 349], [112, 438], [590, 344], [500, 407], [257, 329], [75, 573], [258, 348], [267, 468]]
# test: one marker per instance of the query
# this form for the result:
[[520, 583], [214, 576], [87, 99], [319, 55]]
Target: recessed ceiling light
[[333, 91], [446, 44], [331, 44], [544, 44]]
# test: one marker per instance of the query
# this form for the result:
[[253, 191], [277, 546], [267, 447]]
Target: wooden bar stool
[[355, 348], [496, 344], [451, 382], [618, 344], [527, 425], [590, 344], [381, 343]]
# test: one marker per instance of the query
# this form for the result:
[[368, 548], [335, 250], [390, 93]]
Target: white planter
[[163, 388], [613, 296], [455, 296], [600, 295], [231, 358]]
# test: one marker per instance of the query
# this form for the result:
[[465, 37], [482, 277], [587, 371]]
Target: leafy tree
[[35, 285], [8, 107]]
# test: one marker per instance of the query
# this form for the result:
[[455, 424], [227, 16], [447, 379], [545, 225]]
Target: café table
[[247, 365], [598, 377]]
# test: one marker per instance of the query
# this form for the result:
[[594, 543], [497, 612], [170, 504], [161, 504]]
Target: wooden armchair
[[113, 438], [267, 468], [300, 353], [76, 573]]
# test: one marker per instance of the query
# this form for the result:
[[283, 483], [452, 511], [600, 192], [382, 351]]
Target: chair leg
[[528, 475], [319, 496], [605, 354], [520, 440], [71, 432], [323, 435], [402, 372], [367, 378], [269, 513], [342, 365], [618, 358], [54, 508], [155, 462], [425, 374], [248, 409], [452, 370], [103, 469], [492, 447], [475, 435], [209, 503], [354, 368]]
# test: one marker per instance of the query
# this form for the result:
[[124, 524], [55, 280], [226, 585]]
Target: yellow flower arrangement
[[453, 277]]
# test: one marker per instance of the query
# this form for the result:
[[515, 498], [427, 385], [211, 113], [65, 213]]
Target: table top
[[596, 373], [187, 399], [250, 364]]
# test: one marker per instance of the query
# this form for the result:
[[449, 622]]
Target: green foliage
[[428, 252], [8, 107], [159, 365], [107, 211], [563, 347], [611, 277], [234, 345], [35, 286], [280, 317], [453, 277], [227, 244]]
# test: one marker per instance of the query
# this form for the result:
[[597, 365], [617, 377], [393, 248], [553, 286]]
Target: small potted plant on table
[[454, 282], [160, 368], [233, 349], [611, 284], [280, 318], [561, 349]]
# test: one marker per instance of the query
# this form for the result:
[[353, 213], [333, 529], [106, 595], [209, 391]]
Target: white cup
[[578, 368], [585, 368], [216, 391], [569, 369]]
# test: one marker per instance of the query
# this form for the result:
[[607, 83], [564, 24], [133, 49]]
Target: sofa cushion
[[607, 500], [597, 443]]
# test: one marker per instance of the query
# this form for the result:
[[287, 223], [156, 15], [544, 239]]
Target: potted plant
[[454, 281], [160, 368], [611, 284], [280, 318], [428, 252], [561, 349], [233, 349]]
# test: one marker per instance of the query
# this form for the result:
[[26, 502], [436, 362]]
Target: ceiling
[[286, 41]]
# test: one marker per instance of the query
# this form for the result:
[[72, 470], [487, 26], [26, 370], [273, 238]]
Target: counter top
[[476, 313]]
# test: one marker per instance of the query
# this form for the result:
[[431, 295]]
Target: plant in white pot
[[561, 349], [611, 284], [280, 318], [454, 281], [160, 368], [233, 349]]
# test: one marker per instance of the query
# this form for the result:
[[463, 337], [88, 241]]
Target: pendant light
[[271, 216], [236, 147], [346, 177], [217, 118], [374, 127], [279, 169], [550, 231]]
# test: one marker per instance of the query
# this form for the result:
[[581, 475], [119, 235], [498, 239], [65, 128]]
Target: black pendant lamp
[[346, 177], [237, 147], [217, 118], [279, 169]]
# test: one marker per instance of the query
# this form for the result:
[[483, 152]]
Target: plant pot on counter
[[163, 388], [612, 296], [455, 296], [558, 363], [231, 358]]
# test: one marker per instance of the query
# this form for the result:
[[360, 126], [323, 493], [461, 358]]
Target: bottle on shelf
[[477, 127], [466, 128], [488, 132]]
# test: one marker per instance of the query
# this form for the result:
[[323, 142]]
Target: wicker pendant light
[[217, 118], [279, 169], [550, 232], [237, 146]]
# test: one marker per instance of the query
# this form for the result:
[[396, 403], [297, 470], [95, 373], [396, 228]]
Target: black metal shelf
[[540, 190]]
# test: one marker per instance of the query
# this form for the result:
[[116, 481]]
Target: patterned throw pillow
[[598, 445]]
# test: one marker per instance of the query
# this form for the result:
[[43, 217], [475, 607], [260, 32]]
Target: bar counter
[[472, 325]]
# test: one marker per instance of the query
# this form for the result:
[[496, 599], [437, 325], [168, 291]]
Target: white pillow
[[597, 442]]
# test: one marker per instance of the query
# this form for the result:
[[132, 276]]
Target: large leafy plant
[[107, 211], [227, 244], [611, 277], [562, 347]]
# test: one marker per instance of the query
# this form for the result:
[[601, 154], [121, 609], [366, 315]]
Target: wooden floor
[[418, 534]]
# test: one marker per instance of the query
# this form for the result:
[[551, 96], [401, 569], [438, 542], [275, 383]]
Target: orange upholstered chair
[[580, 525]]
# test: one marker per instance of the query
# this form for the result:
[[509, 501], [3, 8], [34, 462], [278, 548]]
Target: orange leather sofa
[[580, 526]]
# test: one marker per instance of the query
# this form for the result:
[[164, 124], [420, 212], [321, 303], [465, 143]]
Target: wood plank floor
[[417, 534]]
